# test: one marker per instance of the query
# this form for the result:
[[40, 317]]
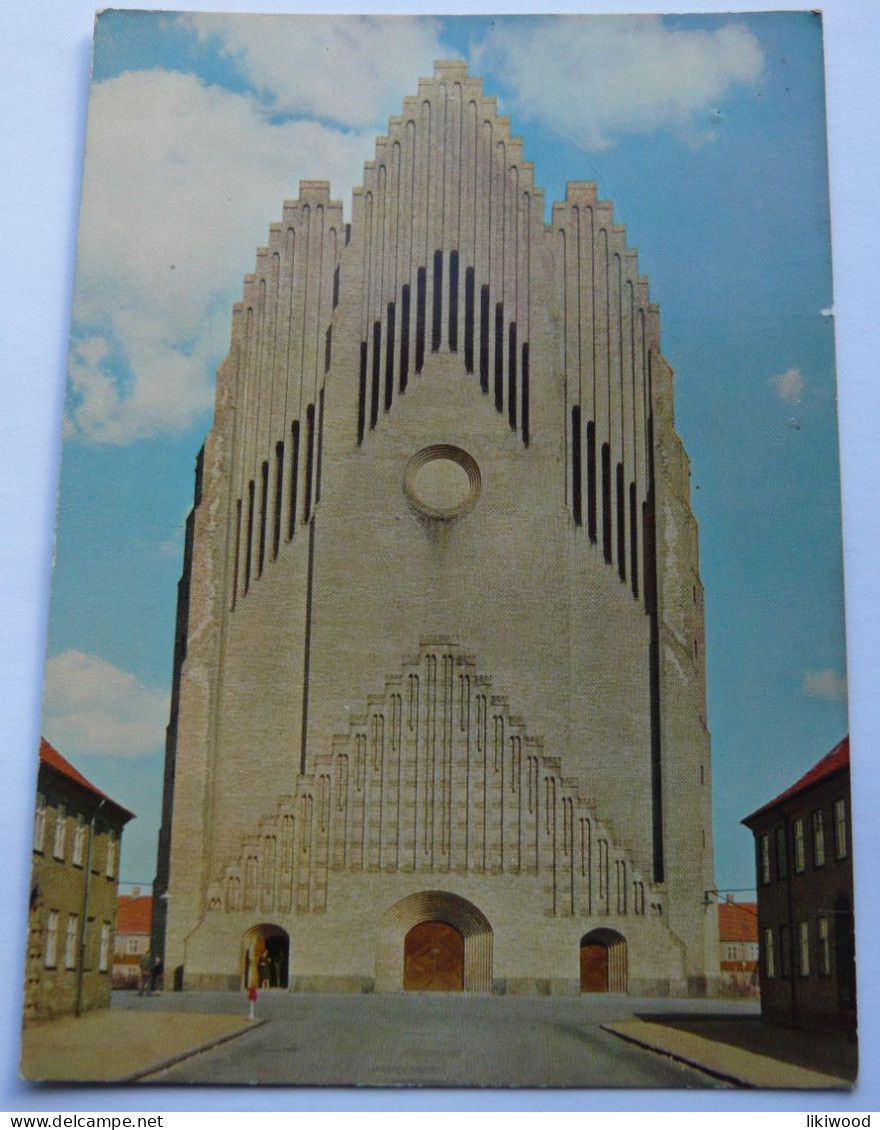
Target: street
[[434, 1039]]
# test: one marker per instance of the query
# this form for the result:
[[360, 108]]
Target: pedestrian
[[156, 975], [264, 970], [146, 973]]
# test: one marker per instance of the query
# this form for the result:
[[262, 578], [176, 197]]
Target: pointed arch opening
[[265, 957]]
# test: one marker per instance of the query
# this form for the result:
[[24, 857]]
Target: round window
[[442, 482]]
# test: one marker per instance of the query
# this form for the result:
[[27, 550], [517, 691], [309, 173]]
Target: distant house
[[738, 946], [803, 845], [77, 836], [134, 921]]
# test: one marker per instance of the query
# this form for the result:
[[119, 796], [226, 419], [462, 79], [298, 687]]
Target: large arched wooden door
[[594, 967], [433, 958]]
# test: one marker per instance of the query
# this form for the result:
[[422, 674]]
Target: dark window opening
[[374, 388], [781, 854], [621, 525], [436, 328], [279, 487], [320, 445], [310, 455], [524, 407], [576, 464], [453, 301], [499, 356], [404, 338], [648, 577], [633, 541], [421, 299], [328, 347], [469, 319], [335, 288], [250, 537], [484, 338], [591, 479], [235, 566], [606, 501], [389, 357], [362, 393], [264, 506], [511, 375], [294, 475]]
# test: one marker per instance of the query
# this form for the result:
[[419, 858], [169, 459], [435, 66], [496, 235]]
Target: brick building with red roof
[[134, 921], [738, 942], [803, 845], [74, 879]]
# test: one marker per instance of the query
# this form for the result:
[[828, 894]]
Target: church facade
[[438, 715]]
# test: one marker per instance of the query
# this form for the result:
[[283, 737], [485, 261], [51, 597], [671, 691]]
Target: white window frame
[[58, 843], [818, 838], [104, 952], [804, 949], [111, 854], [40, 823], [766, 869], [732, 951], [70, 939], [79, 840], [841, 839], [824, 947], [51, 954], [800, 847]]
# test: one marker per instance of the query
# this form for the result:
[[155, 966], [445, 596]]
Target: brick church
[[438, 714]]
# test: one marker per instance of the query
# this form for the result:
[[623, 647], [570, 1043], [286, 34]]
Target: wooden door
[[433, 958], [594, 968]]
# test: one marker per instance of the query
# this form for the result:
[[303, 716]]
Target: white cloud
[[93, 707], [182, 181], [594, 79], [826, 684], [352, 70], [789, 385]]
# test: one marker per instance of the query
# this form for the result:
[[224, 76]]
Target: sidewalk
[[745, 1052], [116, 1046]]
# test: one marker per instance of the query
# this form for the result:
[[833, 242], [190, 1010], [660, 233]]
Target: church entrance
[[434, 941], [433, 958], [265, 957], [603, 962]]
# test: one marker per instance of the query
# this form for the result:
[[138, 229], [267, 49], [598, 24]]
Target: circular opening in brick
[[442, 482]]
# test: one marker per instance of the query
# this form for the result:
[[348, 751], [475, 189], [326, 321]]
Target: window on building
[[132, 945], [818, 839], [70, 941], [765, 858], [769, 955], [841, 846], [104, 953], [51, 940], [111, 854], [800, 849], [804, 948], [752, 951], [731, 952], [60, 832], [79, 839], [781, 854], [40, 823], [824, 947]]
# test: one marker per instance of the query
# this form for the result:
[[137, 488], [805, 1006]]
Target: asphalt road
[[431, 1039]]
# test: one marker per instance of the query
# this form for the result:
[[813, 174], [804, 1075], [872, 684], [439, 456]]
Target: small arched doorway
[[433, 958], [603, 962], [265, 957]]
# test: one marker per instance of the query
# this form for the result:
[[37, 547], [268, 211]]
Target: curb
[[735, 1080], [136, 1076]]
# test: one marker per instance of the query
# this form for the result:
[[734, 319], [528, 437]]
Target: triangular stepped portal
[[436, 776]]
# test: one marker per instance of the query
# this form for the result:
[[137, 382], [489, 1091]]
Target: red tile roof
[[738, 921], [134, 915], [832, 762], [50, 756]]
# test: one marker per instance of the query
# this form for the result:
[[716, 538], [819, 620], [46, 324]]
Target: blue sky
[[45, 51], [715, 160]]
